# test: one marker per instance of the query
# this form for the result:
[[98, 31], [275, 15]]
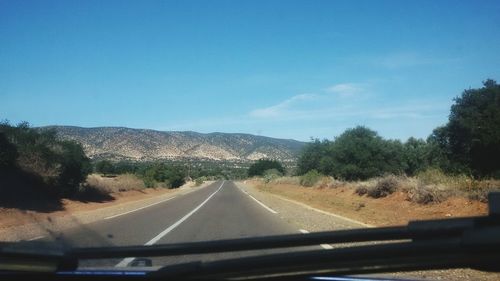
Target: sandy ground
[[391, 210]]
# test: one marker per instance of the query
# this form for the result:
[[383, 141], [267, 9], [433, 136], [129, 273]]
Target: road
[[218, 211]]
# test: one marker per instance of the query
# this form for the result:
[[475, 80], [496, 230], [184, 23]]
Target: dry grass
[[431, 186], [119, 183]]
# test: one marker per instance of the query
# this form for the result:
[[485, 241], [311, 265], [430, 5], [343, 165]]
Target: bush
[[361, 190], [435, 176], [310, 178], [199, 181], [62, 165], [258, 168], [271, 174], [105, 167], [422, 194], [384, 187]]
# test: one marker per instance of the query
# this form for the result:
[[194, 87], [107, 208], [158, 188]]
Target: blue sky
[[288, 69]]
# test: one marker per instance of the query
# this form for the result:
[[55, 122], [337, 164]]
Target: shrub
[[422, 194], [271, 174], [310, 178], [258, 168], [361, 190], [435, 176], [385, 186], [199, 181], [62, 165]]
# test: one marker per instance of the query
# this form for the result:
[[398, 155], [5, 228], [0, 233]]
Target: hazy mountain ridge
[[120, 143]]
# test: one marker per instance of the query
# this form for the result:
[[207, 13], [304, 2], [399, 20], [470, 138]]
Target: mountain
[[119, 143]]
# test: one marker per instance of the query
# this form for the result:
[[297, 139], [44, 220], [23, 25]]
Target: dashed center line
[[324, 246]]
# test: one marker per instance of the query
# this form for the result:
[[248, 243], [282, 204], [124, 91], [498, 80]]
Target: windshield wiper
[[433, 244]]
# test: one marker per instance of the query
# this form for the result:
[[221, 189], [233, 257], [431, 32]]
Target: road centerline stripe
[[155, 239], [138, 209], [260, 203]]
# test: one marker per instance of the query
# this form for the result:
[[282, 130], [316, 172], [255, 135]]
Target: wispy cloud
[[332, 103], [281, 108], [346, 89]]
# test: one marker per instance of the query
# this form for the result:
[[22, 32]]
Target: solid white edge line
[[138, 209], [36, 238], [262, 204], [324, 246], [126, 261]]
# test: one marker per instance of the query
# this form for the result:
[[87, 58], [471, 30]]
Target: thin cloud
[[346, 89], [282, 107]]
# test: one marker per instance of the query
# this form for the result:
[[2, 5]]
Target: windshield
[[129, 123]]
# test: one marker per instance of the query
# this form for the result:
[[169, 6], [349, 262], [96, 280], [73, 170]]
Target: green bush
[[199, 181], [271, 174], [258, 168], [62, 165], [310, 178]]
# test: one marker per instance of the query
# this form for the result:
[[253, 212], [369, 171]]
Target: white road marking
[[260, 203], [321, 211], [324, 246], [126, 261], [36, 238], [144, 207]]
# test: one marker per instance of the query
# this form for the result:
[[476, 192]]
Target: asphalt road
[[218, 211]]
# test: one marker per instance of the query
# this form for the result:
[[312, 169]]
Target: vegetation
[[271, 174], [262, 165], [61, 165], [310, 178], [469, 143]]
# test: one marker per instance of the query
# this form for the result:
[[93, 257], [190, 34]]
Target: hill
[[119, 143]]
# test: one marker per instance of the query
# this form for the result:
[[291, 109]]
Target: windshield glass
[[163, 122]]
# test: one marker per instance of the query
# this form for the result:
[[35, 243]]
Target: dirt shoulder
[[323, 209], [394, 209], [17, 224]]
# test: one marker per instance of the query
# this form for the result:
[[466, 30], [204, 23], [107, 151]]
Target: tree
[[416, 153], [360, 153], [105, 167], [8, 153], [472, 135], [74, 167], [312, 156], [258, 168]]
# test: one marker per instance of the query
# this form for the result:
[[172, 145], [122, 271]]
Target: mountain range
[[120, 143]]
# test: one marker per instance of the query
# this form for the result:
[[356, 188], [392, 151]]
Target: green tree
[[258, 168], [416, 156], [105, 167], [74, 167], [313, 156], [471, 139], [8, 153]]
